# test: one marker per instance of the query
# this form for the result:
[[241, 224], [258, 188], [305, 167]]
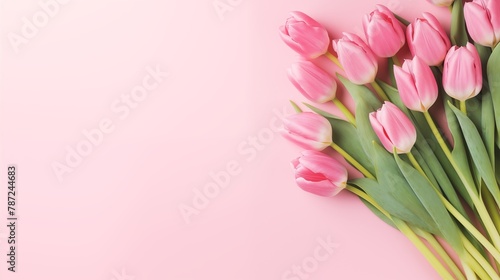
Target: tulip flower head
[[308, 130], [384, 33], [442, 3], [358, 60], [416, 83], [312, 81], [305, 35], [427, 39], [394, 129], [462, 72], [320, 174], [483, 21]]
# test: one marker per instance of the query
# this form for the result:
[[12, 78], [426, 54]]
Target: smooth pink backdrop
[[116, 215]]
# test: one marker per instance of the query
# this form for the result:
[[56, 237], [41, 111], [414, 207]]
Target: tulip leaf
[[484, 54], [488, 125], [494, 83], [459, 153], [458, 32], [433, 161], [378, 213], [389, 198], [296, 107], [402, 19], [360, 93], [321, 112], [432, 203], [345, 135], [394, 193], [478, 152], [366, 103]]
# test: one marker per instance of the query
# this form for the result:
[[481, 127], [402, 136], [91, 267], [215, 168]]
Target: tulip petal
[[478, 24], [323, 188]]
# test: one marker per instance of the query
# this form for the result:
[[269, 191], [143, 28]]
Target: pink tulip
[[416, 83], [428, 40], [383, 32], [441, 2], [462, 73], [393, 128], [358, 60], [312, 81], [305, 35], [320, 174], [483, 21], [308, 130]]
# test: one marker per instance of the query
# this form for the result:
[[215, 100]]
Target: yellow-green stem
[[441, 252], [484, 265], [334, 59], [352, 161], [470, 187], [409, 233], [396, 61], [438, 266], [455, 213], [349, 116], [379, 91], [463, 107], [491, 206]]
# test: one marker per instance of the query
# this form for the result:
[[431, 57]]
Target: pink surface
[[114, 212]]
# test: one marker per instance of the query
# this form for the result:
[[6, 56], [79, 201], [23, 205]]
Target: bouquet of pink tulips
[[432, 186]]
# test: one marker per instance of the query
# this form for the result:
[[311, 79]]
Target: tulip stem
[[352, 161], [441, 252], [470, 187], [463, 107], [408, 232], [380, 91], [334, 59], [344, 111], [455, 213], [481, 266], [396, 61]]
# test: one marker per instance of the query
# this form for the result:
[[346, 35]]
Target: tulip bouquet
[[434, 183]]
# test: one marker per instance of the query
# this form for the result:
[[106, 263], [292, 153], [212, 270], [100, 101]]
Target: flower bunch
[[428, 186]]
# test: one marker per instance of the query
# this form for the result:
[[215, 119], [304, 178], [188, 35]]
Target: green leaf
[[378, 213], [432, 203], [360, 94], [459, 153], [401, 19], [345, 135], [394, 193], [321, 112], [478, 152], [484, 54], [494, 83], [488, 125], [390, 201], [296, 107], [458, 31], [435, 160]]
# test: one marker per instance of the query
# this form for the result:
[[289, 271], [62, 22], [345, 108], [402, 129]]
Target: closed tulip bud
[[358, 60], [320, 174], [483, 21], [305, 35], [442, 3], [308, 130], [383, 32], [428, 40], [462, 72], [312, 81], [416, 83], [393, 128]]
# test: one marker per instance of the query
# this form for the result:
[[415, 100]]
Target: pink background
[[116, 214]]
